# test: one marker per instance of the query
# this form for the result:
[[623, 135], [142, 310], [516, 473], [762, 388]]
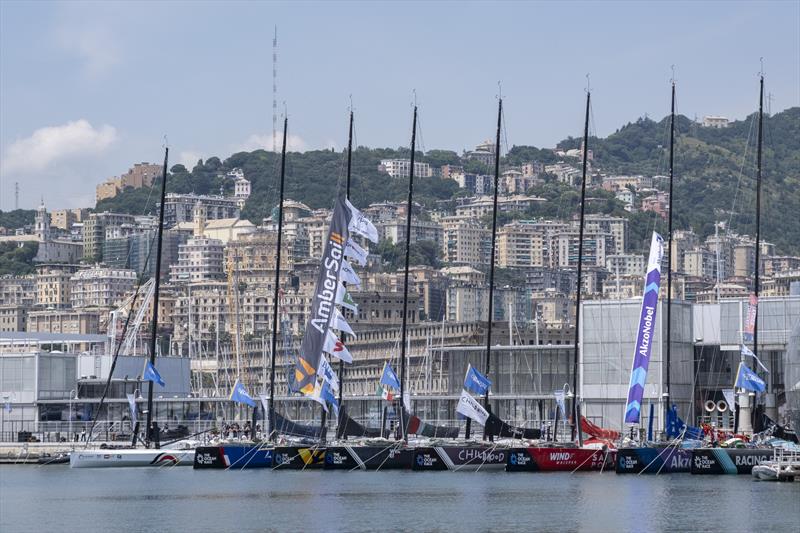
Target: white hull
[[99, 458]]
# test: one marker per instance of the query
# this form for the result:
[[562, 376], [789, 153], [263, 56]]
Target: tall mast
[[669, 261], [347, 192], [758, 205], [154, 327], [276, 294], [405, 274], [575, 404]]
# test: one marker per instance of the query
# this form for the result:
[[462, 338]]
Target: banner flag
[[389, 378], [325, 371], [476, 382], [646, 330], [471, 408], [749, 353], [750, 320], [151, 374], [348, 275], [354, 251], [359, 224], [316, 395], [132, 404], [344, 299], [323, 308], [329, 397], [749, 380], [264, 402], [385, 393], [338, 322], [239, 394], [336, 348], [730, 399]]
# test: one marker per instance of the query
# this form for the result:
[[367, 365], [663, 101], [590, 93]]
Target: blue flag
[[328, 395], [476, 382], [675, 426], [151, 374], [749, 380], [239, 394], [389, 378]]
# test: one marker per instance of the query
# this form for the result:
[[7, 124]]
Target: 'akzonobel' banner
[[323, 306], [646, 331]]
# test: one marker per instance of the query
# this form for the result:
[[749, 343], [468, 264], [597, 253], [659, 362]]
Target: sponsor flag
[[750, 320], [330, 398], [131, 404], [355, 252], [476, 382], [385, 393], [646, 331], [389, 378], [344, 299], [560, 396], [749, 380], [151, 374], [348, 275], [359, 224], [325, 371], [323, 308], [749, 353], [675, 426], [338, 322], [239, 394], [730, 398], [470, 408], [317, 396], [336, 348]]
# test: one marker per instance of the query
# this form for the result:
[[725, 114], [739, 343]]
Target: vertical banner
[[750, 321], [323, 306], [646, 331]]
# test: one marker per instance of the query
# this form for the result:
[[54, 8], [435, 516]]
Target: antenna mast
[[275, 91], [16, 195]]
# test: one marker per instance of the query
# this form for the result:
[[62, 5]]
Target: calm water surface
[[56, 498]]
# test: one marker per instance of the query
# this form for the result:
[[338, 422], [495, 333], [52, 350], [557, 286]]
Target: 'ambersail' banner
[[324, 301], [646, 331]]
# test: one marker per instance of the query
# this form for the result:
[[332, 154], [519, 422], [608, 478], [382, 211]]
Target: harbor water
[[57, 498]]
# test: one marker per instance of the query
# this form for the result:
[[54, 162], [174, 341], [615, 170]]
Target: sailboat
[[670, 456], [568, 457], [742, 460], [152, 454], [468, 454]]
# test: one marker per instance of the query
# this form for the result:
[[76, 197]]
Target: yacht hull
[[110, 458]]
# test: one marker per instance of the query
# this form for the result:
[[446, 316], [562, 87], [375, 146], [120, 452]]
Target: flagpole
[[154, 327], [275, 297]]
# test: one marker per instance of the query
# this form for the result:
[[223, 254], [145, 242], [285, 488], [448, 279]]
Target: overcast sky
[[88, 89]]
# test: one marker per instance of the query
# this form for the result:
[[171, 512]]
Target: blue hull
[[649, 460], [234, 456]]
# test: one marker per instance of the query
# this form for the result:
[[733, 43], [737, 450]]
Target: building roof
[[25, 337]]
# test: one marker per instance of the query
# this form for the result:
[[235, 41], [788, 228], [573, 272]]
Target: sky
[[88, 89]]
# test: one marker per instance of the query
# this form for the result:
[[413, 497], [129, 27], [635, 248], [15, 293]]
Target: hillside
[[708, 166]]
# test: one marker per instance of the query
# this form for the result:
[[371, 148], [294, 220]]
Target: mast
[[405, 275], [576, 410], [758, 204], [347, 193], [669, 261], [154, 328], [276, 295]]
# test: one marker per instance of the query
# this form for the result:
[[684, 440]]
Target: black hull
[[368, 458], [467, 458], [720, 461], [298, 457]]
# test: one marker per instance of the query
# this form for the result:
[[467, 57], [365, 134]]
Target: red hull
[[559, 459]]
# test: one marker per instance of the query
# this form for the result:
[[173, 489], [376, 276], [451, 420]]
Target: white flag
[[730, 398], [348, 275], [336, 348], [749, 353], [344, 299], [356, 252], [559, 394], [325, 371], [317, 396], [359, 224], [132, 404], [469, 407], [407, 400], [264, 402], [338, 322]]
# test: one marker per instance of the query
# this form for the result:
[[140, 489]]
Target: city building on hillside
[[94, 232], [394, 231], [713, 121], [140, 175], [465, 241], [625, 264], [65, 218], [484, 205], [100, 286], [483, 153], [84, 321], [241, 186], [658, 203], [616, 226], [181, 207], [465, 274], [595, 244], [782, 263], [544, 279], [449, 171], [401, 168], [521, 244], [627, 197], [200, 259], [53, 285]]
